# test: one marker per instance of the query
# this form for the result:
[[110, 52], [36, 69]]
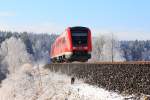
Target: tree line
[[37, 45], [105, 48]]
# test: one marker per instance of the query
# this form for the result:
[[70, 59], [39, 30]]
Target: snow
[[90, 92], [79, 90]]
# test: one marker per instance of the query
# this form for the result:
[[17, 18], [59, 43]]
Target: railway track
[[122, 77]]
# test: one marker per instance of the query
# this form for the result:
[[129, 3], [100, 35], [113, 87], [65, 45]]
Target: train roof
[[78, 28]]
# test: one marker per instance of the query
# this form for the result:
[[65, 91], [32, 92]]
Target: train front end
[[81, 44]]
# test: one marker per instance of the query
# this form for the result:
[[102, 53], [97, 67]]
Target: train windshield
[[79, 38]]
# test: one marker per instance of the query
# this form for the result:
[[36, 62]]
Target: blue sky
[[127, 19]]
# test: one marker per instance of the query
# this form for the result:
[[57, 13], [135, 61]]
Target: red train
[[74, 44]]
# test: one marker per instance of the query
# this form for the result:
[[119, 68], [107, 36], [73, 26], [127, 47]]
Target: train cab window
[[79, 38]]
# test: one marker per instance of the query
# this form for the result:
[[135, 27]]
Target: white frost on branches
[[106, 48], [13, 54]]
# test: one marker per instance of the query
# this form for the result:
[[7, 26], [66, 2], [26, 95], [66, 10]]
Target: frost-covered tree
[[25, 38], [98, 44], [106, 48], [41, 45], [13, 54], [136, 50]]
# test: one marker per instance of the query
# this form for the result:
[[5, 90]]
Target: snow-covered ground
[[78, 91], [34, 83]]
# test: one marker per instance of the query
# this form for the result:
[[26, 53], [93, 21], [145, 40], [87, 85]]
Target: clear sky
[[127, 19]]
